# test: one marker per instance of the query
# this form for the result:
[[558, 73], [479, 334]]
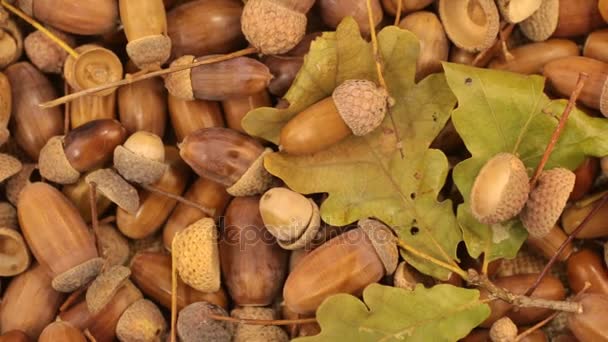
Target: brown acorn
[[11, 41], [517, 11], [9, 166], [85, 148], [74, 16], [142, 106], [596, 45], [29, 302], [31, 125], [193, 325], [365, 252], [61, 331], [229, 158], [472, 26], [6, 106], [577, 19], [44, 53], [142, 321], [145, 25], [141, 159], [15, 336], [585, 173], [14, 251], [597, 225], [390, 6], [204, 192], [154, 209], [94, 66], [333, 11], [52, 226], [188, 116], [590, 325], [253, 264], [548, 244], [113, 246], [91, 107], [152, 274], [236, 108], [284, 69], [79, 192], [587, 267], [531, 58], [240, 76]]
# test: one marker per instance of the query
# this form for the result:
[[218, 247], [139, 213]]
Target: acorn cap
[[472, 28], [249, 332], [309, 233], [361, 104], [272, 28], [9, 166], [8, 215], [77, 276], [114, 247], [402, 278], [500, 190], [383, 240], [515, 11], [54, 165], [604, 99], [136, 168], [197, 256], [15, 254], [547, 201], [16, 183], [142, 321], [150, 51], [93, 67], [104, 287], [286, 213], [193, 325], [255, 180], [541, 25], [179, 84], [503, 330], [116, 189], [44, 53]]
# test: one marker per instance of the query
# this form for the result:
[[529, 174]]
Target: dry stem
[[207, 211], [536, 326], [488, 53], [398, 14]]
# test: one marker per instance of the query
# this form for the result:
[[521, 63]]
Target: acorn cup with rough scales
[[292, 218], [142, 106], [145, 25], [94, 66], [248, 333], [104, 287], [188, 116], [88, 147], [500, 189], [541, 24], [503, 330], [11, 42], [14, 253], [356, 107], [141, 159], [368, 252], [240, 76], [142, 321], [9, 166], [547, 201], [197, 256], [193, 325], [470, 24], [227, 157], [58, 236], [515, 11], [115, 188]]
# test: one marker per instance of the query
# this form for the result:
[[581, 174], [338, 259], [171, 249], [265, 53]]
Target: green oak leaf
[[333, 58], [505, 112], [441, 313], [366, 176]]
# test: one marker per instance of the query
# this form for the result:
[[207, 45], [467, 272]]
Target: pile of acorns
[[109, 198]]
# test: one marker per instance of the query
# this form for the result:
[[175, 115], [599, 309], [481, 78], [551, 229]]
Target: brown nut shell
[[115, 189], [92, 107], [54, 165], [114, 247], [142, 106], [14, 254], [531, 58], [142, 321], [75, 16], [103, 289], [189, 116], [9, 166]]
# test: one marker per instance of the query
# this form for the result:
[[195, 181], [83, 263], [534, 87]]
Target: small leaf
[[366, 176], [441, 313], [505, 112]]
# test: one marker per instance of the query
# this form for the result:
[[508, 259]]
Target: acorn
[[141, 322], [587, 267], [14, 251], [548, 244], [92, 107], [79, 194], [52, 225], [31, 125], [390, 6], [191, 24], [247, 332], [547, 201], [541, 24], [531, 58], [141, 159], [367, 252], [9, 166], [94, 66], [44, 53], [6, 104], [470, 25], [14, 336], [406, 277], [500, 189], [29, 302], [74, 16], [85, 148], [596, 45], [197, 256], [116, 189], [586, 173], [240, 76], [271, 26], [253, 265], [284, 70], [16, 183], [578, 19], [11, 41], [104, 287], [193, 325], [236, 108], [204, 192], [145, 25], [61, 331], [292, 218], [188, 116], [152, 274], [154, 208], [114, 247], [333, 12], [597, 225], [356, 107], [503, 330], [590, 325], [142, 106], [8, 215], [229, 158]]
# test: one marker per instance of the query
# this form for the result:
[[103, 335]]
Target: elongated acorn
[[193, 325], [547, 201], [141, 158], [590, 325]]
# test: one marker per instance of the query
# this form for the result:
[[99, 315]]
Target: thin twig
[[536, 326], [130, 80], [493, 50], [398, 14], [88, 335], [207, 211], [561, 248], [262, 321], [582, 78], [462, 273]]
